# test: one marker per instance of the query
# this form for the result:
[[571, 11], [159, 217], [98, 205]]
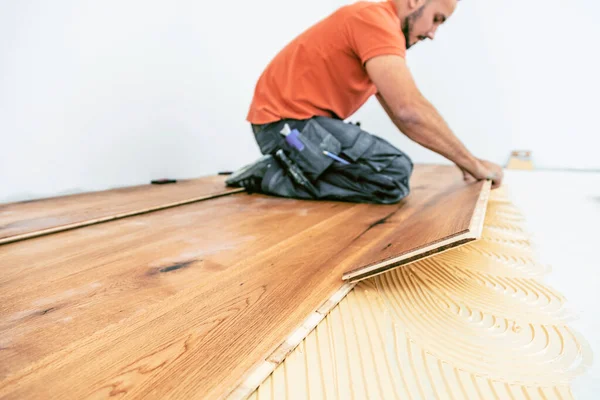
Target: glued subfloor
[[474, 322]]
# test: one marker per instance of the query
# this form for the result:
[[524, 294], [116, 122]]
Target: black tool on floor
[[163, 181]]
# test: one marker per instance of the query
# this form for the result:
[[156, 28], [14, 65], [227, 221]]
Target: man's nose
[[431, 33]]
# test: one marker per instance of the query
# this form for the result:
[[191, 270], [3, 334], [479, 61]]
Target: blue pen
[[336, 158]]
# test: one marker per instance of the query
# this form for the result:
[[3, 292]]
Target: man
[[321, 78]]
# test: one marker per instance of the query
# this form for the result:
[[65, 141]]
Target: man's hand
[[487, 170]]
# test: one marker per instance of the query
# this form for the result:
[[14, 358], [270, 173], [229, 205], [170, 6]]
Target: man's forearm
[[423, 124]]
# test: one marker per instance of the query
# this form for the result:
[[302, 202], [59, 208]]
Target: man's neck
[[401, 8]]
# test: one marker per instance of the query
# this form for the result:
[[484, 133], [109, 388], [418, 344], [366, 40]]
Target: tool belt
[[322, 134]]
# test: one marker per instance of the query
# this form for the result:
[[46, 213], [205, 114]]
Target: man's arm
[[418, 119]]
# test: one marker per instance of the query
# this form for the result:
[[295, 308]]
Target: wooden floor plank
[[184, 302], [453, 216], [442, 328], [29, 219]]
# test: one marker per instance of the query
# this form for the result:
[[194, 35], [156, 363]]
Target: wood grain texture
[[29, 219], [476, 322], [432, 221], [184, 302]]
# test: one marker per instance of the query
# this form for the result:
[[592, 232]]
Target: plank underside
[[187, 302], [29, 219]]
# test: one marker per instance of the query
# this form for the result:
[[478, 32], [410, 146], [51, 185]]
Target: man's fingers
[[496, 183], [468, 177]]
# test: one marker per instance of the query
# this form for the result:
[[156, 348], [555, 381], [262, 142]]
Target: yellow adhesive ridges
[[474, 322]]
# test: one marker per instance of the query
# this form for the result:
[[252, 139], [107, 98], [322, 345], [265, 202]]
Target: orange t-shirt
[[322, 72]]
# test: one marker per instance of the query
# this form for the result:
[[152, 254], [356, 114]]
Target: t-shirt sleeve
[[373, 32]]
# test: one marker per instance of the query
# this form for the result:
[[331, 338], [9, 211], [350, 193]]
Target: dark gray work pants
[[378, 173]]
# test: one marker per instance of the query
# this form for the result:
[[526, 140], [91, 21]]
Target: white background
[[101, 94]]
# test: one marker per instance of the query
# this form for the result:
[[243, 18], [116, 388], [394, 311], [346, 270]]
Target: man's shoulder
[[365, 6], [374, 12]]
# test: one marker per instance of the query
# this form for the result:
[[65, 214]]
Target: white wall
[[100, 94], [510, 74]]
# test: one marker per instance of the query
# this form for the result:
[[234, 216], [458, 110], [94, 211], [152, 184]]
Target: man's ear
[[416, 4]]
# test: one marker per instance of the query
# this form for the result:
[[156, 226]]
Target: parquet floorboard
[[29, 219], [187, 301]]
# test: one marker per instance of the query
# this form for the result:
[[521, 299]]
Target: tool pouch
[[336, 136], [375, 152], [311, 159], [354, 141]]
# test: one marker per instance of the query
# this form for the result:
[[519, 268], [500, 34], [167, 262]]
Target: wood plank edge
[[478, 217], [430, 251], [263, 369], [472, 233], [62, 228]]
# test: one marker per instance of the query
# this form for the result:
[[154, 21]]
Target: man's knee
[[400, 169]]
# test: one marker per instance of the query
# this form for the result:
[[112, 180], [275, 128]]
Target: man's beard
[[408, 24]]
